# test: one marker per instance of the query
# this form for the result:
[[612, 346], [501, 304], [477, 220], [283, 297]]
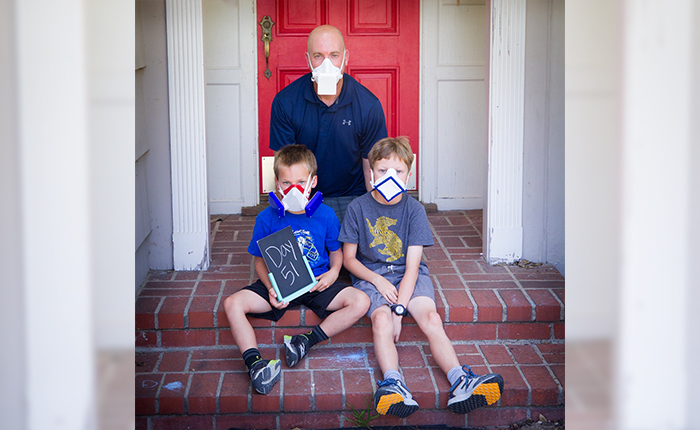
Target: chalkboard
[[290, 273]]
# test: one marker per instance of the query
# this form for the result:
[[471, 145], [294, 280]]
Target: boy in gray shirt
[[383, 235]]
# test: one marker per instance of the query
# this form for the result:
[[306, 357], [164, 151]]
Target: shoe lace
[[468, 371], [388, 381]]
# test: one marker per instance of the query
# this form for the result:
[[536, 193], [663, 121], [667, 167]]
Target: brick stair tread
[[503, 319]]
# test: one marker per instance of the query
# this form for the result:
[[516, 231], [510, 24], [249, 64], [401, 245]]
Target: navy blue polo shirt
[[340, 135]]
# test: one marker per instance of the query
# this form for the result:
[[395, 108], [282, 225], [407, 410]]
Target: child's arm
[[327, 279], [408, 283], [410, 276], [262, 272], [358, 269]]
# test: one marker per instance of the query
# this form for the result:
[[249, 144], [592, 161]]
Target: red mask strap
[[299, 187]]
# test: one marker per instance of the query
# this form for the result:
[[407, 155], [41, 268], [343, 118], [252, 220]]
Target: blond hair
[[295, 154], [389, 146]]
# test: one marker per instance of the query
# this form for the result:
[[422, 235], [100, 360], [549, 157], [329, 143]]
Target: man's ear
[[344, 66], [314, 181]]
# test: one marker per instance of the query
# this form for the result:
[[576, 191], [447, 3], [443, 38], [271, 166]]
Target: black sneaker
[[265, 374], [392, 397], [295, 348], [473, 391]]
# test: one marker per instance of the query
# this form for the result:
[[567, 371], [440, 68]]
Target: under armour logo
[[347, 122]]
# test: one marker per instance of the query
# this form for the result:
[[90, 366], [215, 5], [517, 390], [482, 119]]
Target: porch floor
[[503, 319]]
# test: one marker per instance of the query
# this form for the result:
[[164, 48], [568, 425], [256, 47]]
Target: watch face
[[399, 310]]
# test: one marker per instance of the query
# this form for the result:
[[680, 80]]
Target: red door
[[382, 37]]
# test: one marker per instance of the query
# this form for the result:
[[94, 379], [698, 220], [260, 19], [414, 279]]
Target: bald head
[[326, 33]]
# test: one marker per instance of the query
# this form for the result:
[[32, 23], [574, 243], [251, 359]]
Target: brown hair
[[389, 146], [295, 154]]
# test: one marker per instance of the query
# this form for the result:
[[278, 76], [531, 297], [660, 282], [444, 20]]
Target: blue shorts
[[316, 301], [394, 274]]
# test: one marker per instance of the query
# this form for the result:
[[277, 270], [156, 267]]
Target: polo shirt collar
[[343, 99]]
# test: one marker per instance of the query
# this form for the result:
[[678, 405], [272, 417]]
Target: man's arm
[[358, 269]]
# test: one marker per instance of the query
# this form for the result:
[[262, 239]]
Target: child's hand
[[274, 302], [325, 280], [386, 289], [397, 319]]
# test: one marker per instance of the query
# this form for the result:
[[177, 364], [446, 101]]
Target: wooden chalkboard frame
[[286, 240]]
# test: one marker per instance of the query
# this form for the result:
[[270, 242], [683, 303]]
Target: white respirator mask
[[326, 76], [295, 197], [389, 185]]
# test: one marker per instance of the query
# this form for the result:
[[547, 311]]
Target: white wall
[[153, 145], [543, 167]]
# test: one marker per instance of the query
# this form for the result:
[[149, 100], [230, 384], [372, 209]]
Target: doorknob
[[266, 25]]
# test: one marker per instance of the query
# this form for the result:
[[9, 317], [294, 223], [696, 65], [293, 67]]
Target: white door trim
[[187, 135], [503, 218]]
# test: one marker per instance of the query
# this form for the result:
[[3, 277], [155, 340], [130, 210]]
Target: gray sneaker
[[472, 391], [393, 398], [265, 374]]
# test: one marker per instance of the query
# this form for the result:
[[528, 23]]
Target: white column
[[655, 333], [504, 227], [55, 182], [187, 135]]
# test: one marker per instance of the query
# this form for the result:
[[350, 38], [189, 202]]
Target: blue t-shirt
[[340, 135], [316, 235]]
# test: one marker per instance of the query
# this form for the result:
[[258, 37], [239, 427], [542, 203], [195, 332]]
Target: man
[[334, 116]]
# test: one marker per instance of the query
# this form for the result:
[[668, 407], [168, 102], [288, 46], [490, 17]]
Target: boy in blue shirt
[[384, 232], [338, 304]]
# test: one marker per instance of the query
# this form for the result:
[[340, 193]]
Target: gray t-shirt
[[384, 232]]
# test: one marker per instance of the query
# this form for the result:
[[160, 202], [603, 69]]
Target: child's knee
[[233, 304], [361, 302], [381, 321], [433, 321]]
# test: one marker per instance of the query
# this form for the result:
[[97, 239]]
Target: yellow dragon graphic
[[383, 236]]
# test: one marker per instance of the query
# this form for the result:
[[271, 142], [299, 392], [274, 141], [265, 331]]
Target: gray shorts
[[394, 274]]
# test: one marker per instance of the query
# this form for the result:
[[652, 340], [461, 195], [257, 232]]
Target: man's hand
[[325, 280], [397, 320], [386, 289], [274, 302]]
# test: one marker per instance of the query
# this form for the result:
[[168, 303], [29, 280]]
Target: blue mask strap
[[276, 204], [313, 204]]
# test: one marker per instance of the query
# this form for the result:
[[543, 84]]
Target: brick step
[[196, 304], [504, 319], [332, 378]]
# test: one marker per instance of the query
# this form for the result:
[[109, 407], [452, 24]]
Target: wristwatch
[[399, 310]]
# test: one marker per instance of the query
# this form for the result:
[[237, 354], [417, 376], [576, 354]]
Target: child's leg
[[263, 373], [348, 305], [423, 310], [237, 306], [468, 391], [383, 337], [392, 396]]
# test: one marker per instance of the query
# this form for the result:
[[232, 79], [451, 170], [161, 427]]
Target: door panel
[[382, 37]]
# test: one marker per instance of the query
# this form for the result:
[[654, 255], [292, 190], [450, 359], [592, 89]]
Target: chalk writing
[[277, 255]]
